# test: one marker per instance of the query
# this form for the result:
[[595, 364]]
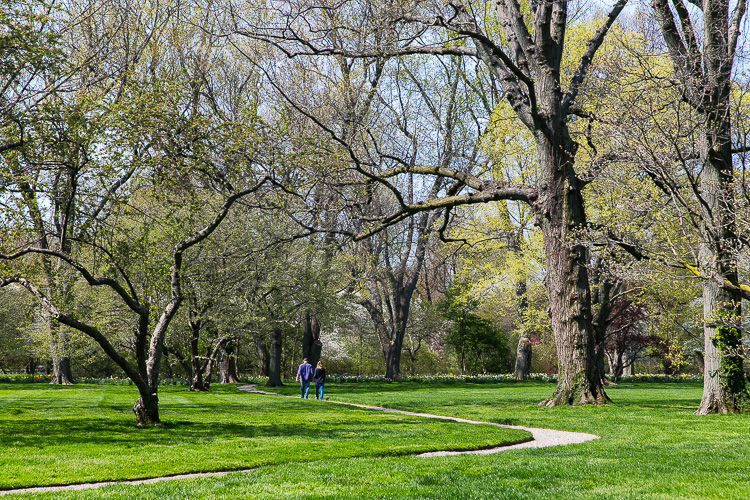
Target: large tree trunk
[[311, 344], [523, 358], [61, 372], [146, 409], [274, 366], [228, 365], [705, 71], [560, 211], [264, 358], [724, 387], [393, 360], [393, 354]]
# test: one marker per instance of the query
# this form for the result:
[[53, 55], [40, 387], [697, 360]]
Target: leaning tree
[[163, 142]]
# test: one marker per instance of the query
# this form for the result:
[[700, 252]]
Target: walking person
[[304, 376], [320, 379]]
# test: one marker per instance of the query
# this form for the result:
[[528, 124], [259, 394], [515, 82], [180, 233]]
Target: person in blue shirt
[[320, 379], [304, 376]]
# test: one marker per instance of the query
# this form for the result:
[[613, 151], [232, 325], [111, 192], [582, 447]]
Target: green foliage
[[480, 346], [728, 340], [27, 45], [16, 312]]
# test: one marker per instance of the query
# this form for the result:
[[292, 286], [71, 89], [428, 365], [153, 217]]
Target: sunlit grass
[[651, 446], [61, 435]]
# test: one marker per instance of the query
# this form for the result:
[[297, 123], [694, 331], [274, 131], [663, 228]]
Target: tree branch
[[586, 59]]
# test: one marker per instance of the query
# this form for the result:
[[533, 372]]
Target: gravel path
[[540, 438]]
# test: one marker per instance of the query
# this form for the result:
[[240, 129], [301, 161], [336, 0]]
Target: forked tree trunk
[[146, 409]]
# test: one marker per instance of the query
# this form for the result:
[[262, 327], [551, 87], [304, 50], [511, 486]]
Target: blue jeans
[[304, 388], [318, 390]]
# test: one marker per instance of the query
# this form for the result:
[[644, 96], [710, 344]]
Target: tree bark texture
[[705, 72], [146, 409], [560, 211], [311, 344], [523, 358], [274, 365], [261, 352]]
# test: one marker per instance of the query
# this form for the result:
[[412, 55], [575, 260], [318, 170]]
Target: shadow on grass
[[37, 433]]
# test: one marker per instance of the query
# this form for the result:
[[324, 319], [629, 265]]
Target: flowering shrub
[[446, 378], [660, 377], [252, 379], [492, 378], [23, 378]]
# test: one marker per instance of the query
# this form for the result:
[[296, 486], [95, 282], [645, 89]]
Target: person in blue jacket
[[304, 376], [320, 379]]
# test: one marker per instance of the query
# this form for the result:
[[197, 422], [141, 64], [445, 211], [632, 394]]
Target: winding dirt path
[[540, 438]]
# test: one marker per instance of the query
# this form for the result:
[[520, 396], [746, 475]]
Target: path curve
[[541, 438]]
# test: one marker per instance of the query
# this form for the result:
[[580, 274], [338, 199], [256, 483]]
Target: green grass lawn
[[651, 446], [61, 435]]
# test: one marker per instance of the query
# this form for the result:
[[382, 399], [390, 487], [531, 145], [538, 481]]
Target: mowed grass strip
[[86, 433], [651, 447]]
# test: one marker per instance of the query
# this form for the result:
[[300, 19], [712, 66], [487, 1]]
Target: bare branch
[[591, 47], [133, 304]]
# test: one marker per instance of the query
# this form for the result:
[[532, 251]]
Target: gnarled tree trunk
[[146, 409], [559, 212]]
